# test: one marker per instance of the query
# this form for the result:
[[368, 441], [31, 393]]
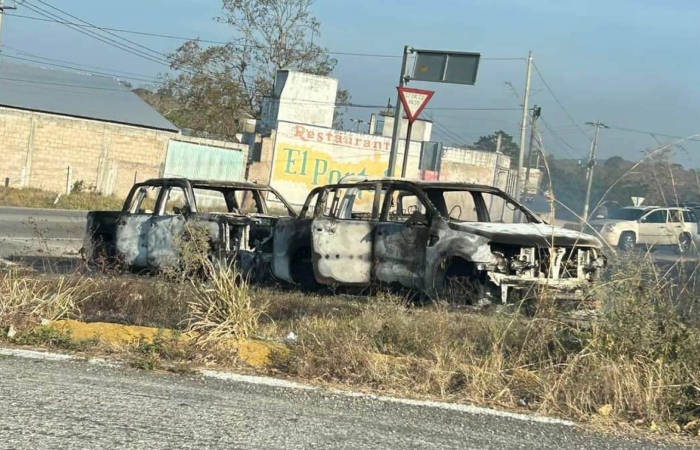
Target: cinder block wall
[[38, 148]]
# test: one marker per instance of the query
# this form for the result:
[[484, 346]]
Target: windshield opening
[[463, 205]]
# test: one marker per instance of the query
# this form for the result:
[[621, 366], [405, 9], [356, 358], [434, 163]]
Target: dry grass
[[26, 301], [37, 198], [221, 309], [636, 363]]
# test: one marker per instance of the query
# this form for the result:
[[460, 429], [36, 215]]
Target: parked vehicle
[[240, 217], [430, 236], [650, 226]]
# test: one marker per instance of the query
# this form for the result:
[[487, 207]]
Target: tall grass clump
[[221, 308], [26, 301]]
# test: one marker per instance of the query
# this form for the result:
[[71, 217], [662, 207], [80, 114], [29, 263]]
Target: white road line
[[277, 383]]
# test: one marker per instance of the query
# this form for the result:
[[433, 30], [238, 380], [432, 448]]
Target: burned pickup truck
[[239, 216], [431, 236]]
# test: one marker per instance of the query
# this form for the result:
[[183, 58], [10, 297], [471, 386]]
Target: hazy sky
[[629, 63]]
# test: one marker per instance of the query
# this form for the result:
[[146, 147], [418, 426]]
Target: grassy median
[[637, 363]]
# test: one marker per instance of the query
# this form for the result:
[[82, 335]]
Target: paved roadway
[[75, 404], [46, 232]]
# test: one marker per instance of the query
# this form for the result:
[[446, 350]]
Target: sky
[[628, 63]]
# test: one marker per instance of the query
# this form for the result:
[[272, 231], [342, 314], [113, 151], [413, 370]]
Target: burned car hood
[[531, 234]]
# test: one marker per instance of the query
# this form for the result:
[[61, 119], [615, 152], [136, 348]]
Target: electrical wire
[[60, 61], [91, 72], [86, 23], [209, 41], [556, 99], [97, 36]]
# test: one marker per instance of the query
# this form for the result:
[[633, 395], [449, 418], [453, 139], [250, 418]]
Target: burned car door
[[343, 236], [133, 226], [166, 226], [401, 239], [291, 254]]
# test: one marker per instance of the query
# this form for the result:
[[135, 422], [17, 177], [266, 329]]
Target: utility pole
[[3, 8], [523, 129], [589, 168], [397, 116], [535, 114]]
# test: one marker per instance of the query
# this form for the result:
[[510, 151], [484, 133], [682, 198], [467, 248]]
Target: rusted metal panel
[[342, 251], [131, 239], [400, 253]]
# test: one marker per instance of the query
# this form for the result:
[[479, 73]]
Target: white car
[[649, 226]]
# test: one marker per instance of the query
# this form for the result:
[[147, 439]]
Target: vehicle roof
[[209, 183], [421, 183]]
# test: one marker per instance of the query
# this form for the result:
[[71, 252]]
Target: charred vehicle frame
[[427, 235], [145, 233]]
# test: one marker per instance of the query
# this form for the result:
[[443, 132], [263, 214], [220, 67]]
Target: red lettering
[[299, 132], [338, 139], [329, 136], [367, 144], [310, 135], [319, 137], [387, 145], [377, 145], [357, 142]]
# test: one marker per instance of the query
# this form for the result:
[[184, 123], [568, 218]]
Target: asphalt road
[[26, 231], [75, 404]]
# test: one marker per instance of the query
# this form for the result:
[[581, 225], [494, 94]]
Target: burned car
[[239, 216], [427, 236]]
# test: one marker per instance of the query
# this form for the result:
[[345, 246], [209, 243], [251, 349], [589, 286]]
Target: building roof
[[74, 94]]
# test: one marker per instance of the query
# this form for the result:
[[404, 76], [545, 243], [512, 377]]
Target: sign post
[[414, 102], [433, 66]]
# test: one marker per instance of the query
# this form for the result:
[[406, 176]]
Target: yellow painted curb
[[258, 354], [113, 334]]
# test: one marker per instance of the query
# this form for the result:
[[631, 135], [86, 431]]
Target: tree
[[228, 82], [508, 147]]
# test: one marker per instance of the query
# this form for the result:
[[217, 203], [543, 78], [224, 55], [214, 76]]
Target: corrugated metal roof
[[75, 94]]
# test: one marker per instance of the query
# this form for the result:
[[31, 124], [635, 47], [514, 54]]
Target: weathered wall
[[474, 166], [205, 159], [305, 157], [260, 170], [300, 97], [422, 129], [38, 148]]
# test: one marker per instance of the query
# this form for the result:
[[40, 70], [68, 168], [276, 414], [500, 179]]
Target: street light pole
[[589, 168]]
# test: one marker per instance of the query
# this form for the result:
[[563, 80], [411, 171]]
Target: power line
[[96, 88], [94, 35], [158, 54], [652, 133], [561, 140], [60, 61], [209, 41], [556, 99], [91, 72]]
